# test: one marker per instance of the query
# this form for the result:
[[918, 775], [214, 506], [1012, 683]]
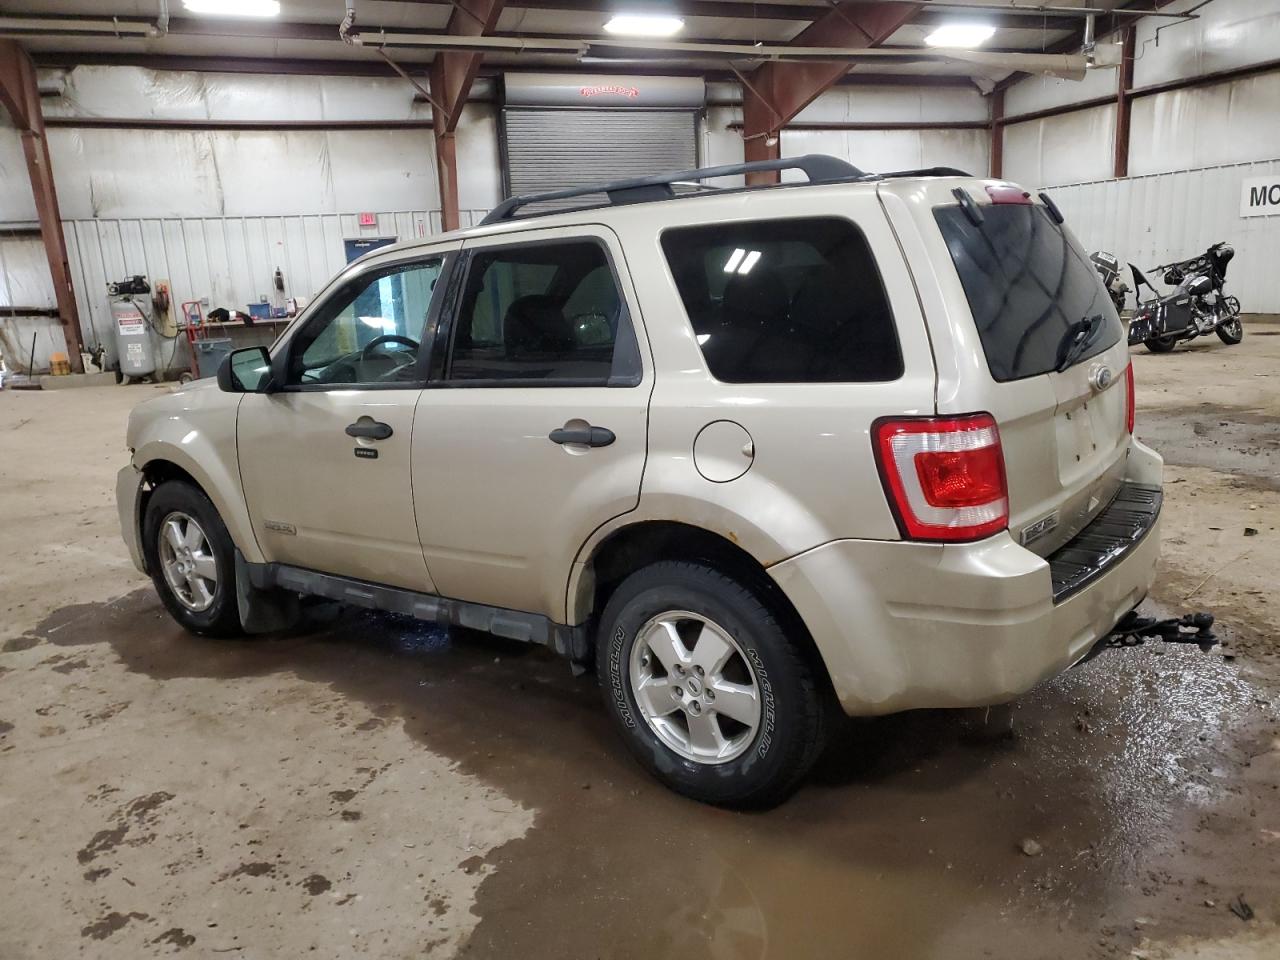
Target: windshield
[[1029, 286]]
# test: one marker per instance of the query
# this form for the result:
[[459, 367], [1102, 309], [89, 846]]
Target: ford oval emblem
[[1100, 378]]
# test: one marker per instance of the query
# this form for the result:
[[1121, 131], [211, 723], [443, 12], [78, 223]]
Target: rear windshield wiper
[[1078, 336]]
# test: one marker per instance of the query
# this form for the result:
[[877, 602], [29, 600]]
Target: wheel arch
[[636, 545], [159, 462]]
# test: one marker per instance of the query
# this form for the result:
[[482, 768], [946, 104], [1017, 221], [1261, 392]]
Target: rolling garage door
[[560, 134]]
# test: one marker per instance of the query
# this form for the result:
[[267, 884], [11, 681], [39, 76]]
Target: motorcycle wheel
[[1231, 332], [1160, 344]]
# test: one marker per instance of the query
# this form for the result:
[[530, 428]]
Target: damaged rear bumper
[[904, 625]]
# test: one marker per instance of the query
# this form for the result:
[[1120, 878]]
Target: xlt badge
[[1034, 531]]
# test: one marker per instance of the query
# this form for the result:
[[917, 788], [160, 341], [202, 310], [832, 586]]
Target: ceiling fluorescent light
[[644, 25], [234, 8], [960, 35]]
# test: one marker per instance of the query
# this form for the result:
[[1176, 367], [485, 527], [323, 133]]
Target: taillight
[[1130, 398], [944, 476]]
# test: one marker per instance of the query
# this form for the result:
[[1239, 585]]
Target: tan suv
[[861, 441]]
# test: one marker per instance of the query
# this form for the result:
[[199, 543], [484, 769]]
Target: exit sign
[[368, 219]]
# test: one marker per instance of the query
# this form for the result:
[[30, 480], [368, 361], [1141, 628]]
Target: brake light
[[1008, 193], [944, 476], [1130, 398]]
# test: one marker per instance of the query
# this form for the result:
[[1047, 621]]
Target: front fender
[[195, 430]]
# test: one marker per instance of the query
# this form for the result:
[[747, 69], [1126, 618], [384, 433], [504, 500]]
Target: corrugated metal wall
[[1167, 216], [230, 260]]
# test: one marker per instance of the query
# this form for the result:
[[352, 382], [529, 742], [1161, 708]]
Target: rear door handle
[[369, 427], [588, 436]]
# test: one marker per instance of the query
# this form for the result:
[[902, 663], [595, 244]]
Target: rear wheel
[[191, 559], [1160, 344], [709, 693]]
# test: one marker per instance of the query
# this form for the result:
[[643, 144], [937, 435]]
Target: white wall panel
[[1042, 93], [24, 273], [1206, 126], [213, 173], [229, 260], [889, 104], [884, 150], [1070, 146], [1154, 219], [135, 92], [16, 202], [719, 145], [1225, 35]]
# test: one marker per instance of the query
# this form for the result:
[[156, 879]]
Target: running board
[[570, 642]]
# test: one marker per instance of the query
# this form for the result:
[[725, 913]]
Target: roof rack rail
[[924, 172], [817, 167]]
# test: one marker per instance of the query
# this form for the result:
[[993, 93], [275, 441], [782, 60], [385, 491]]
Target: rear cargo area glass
[[1027, 282], [785, 301]]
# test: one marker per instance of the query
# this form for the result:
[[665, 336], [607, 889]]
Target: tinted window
[[370, 332], [547, 311], [1027, 282], [785, 301]]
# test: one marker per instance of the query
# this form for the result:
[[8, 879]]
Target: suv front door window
[[322, 497], [370, 331]]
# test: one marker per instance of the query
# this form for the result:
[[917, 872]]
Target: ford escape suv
[[862, 442]]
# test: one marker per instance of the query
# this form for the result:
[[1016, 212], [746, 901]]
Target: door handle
[[369, 427], [588, 436]]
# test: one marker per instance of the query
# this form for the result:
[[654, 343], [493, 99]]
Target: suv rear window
[[1028, 283], [785, 301]]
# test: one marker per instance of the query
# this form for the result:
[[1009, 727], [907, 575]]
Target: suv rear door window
[[785, 301], [1028, 284], [544, 311]]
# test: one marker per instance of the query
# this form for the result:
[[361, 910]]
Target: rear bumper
[[129, 506], [907, 625]]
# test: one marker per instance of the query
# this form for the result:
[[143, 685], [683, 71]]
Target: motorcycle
[[1197, 306], [1108, 267]]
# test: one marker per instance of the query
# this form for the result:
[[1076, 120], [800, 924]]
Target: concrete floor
[[374, 789]]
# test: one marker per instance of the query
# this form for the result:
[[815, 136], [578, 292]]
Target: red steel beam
[[20, 96], [1124, 103], [452, 73], [775, 93], [997, 133]]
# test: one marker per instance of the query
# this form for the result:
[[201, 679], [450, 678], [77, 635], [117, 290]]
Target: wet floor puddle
[[906, 842]]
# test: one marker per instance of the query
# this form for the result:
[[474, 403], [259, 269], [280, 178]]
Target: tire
[[1161, 344], [760, 764], [210, 610], [1230, 333]]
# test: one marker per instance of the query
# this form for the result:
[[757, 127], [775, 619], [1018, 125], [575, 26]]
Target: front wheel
[[1160, 344], [709, 693], [1232, 332], [191, 559]]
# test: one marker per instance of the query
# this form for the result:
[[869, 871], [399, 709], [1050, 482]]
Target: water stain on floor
[[1140, 779]]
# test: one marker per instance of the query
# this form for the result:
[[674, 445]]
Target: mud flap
[[264, 610]]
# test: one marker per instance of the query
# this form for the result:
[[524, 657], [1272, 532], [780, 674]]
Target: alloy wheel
[[187, 561], [695, 687]]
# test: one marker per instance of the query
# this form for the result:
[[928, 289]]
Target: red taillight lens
[[1130, 398], [944, 476]]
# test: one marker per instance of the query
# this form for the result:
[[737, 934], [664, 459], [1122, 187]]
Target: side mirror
[[245, 371]]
